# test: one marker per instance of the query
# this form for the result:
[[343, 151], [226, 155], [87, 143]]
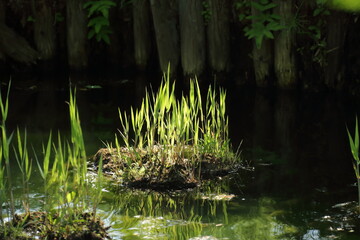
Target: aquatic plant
[[354, 146], [25, 166], [174, 140], [68, 198], [4, 153]]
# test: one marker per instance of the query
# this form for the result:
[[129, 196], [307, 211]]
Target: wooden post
[[167, 38], [218, 34], [141, 24], [2, 21], [285, 67], [44, 31], [16, 47], [262, 59], [76, 34], [334, 68], [192, 37]]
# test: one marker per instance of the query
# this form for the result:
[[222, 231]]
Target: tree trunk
[[285, 67], [76, 34], [141, 24], [167, 38], [334, 71], [2, 21], [262, 59], [192, 37], [219, 35], [16, 47], [44, 30]]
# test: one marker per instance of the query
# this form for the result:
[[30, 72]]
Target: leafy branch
[[99, 24], [263, 24]]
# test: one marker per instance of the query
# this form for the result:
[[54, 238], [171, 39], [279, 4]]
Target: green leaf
[[88, 4], [317, 12], [274, 26], [97, 28], [263, 7], [105, 12], [275, 16], [91, 33], [268, 34], [98, 37], [258, 41], [242, 17]]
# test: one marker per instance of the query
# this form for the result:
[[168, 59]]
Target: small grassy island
[[168, 143], [176, 142]]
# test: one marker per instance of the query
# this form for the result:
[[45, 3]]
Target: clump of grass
[[174, 140], [6, 183], [354, 146], [69, 210]]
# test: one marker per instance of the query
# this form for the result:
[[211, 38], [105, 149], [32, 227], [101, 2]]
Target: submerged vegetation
[[70, 200], [176, 142]]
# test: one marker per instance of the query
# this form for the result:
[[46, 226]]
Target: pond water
[[302, 186]]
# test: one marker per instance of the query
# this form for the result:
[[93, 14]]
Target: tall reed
[[2, 187], [25, 166], [354, 146], [64, 169], [5, 152]]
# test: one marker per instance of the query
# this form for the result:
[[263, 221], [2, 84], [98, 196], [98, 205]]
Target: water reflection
[[210, 214], [297, 143]]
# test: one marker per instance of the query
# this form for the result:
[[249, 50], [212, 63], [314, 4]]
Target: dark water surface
[[302, 186]]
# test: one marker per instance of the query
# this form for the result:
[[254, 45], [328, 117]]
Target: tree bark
[[141, 24], [333, 70], [192, 37], [44, 30], [285, 67], [262, 59], [76, 34], [2, 21], [16, 47], [219, 35], [167, 38]]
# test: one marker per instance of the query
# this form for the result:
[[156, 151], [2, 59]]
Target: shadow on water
[[302, 186]]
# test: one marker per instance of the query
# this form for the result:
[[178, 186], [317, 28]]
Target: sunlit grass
[[5, 153], [70, 202], [169, 135]]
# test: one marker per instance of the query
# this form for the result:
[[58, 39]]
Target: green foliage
[[206, 11], [315, 29], [30, 19], [354, 146], [263, 24], [346, 5], [59, 17], [99, 24]]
